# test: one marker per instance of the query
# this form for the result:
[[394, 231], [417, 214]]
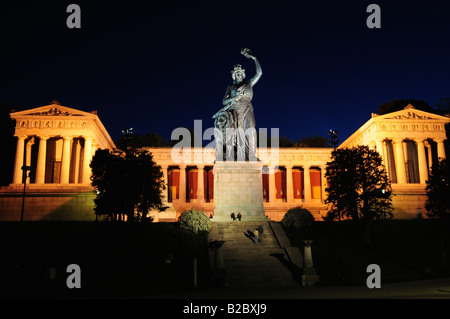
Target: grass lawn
[[404, 249], [116, 259]]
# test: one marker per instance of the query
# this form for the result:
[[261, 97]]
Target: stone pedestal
[[309, 274], [238, 189]]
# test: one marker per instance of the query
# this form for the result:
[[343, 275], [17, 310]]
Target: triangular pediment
[[411, 113], [54, 109]]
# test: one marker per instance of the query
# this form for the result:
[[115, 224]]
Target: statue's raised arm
[[248, 54]]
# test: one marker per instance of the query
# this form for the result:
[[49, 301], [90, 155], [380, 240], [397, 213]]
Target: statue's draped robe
[[245, 132]]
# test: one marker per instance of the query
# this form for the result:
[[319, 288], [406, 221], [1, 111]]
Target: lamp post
[[25, 170]]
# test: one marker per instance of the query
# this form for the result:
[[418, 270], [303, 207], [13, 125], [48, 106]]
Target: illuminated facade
[[409, 141], [296, 178], [58, 143]]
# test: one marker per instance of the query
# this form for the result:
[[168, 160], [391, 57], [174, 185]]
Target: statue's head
[[238, 73]]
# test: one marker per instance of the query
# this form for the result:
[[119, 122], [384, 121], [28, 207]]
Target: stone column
[[41, 160], [165, 192], [440, 147], [18, 173], [422, 161], [30, 143], [430, 154], [306, 184], [405, 152], [76, 179], [386, 159], [400, 161], [380, 150], [183, 183], [86, 177], [272, 188], [323, 181], [65, 165], [200, 184], [289, 185]]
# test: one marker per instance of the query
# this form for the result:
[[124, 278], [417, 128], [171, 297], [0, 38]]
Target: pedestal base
[[309, 277], [238, 189]]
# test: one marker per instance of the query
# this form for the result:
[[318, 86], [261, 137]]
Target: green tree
[[397, 105], [298, 218], [314, 141], [438, 191], [309, 141], [136, 140], [128, 183], [358, 186], [284, 141], [195, 221], [443, 105]]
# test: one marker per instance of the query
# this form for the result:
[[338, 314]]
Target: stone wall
[[407, 199], [47, 203], [77, 203]]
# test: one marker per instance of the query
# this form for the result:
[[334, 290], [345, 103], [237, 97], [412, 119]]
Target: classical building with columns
[[291, 177], [409, 141], [58, 143]]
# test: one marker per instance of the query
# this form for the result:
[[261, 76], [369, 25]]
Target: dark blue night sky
[[156, 66]]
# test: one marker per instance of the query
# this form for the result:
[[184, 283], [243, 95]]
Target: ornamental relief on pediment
[[52, 124], [54, 111], [410, 127], [411, 116]]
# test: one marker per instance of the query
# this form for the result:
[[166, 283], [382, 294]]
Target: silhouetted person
[[239, 216], [233, 216], [260, 231]]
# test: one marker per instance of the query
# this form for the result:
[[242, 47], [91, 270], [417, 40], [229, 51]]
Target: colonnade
[[290, 197], [182, 182], [424, 156], [272, 189], [78, 162]]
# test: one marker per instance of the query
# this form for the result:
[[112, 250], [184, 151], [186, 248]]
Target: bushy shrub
[[195, 221], [297, 217]]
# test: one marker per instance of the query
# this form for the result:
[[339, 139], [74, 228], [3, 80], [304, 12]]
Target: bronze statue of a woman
[[236, 119]]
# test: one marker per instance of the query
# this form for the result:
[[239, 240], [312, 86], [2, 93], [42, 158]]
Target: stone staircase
[[247, 264]]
